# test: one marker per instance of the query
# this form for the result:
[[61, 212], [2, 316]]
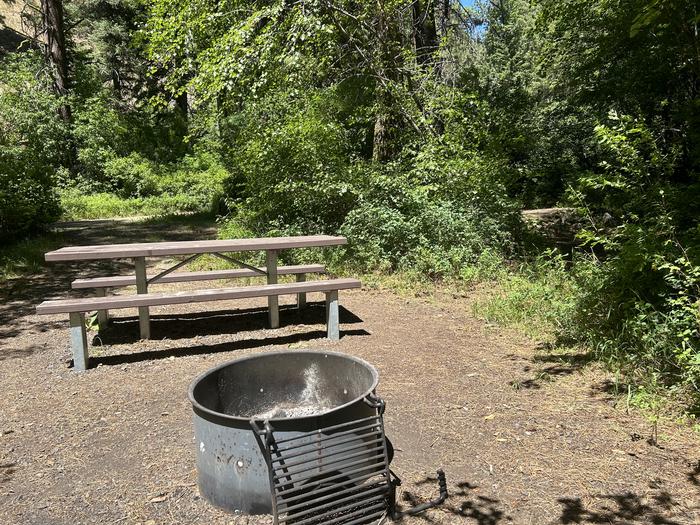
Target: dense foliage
[[417, 128], [31, 142]]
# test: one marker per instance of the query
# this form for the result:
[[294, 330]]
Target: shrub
[[400, 225], [78, 206], [32, 143], [638, 308], [200, 177], [101, 134], [539, 297], [141, 187], [291, 164], [130, 176]]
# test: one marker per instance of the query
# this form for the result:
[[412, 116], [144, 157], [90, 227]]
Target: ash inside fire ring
[[292, 410], [310, 402]]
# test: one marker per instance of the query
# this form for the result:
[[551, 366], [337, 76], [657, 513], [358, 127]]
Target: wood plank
[[214, 294], [159, 249], [182, 277]]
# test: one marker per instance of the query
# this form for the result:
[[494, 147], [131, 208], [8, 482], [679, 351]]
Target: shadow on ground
[[548, 367], [694, 475], [229, 346], [20, 296], [622, 509], [17, 353], [6, 471], [184, 326], [480, 509]]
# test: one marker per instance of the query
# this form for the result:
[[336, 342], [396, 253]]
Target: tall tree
[[56, 52], [425, 37]]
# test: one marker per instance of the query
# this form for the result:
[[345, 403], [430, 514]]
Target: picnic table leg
[[332, 315], [301, 297], [78, 341], [142, 287], [102, 315], [272, 300]]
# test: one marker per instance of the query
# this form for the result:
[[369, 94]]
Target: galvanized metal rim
[[200, 377]]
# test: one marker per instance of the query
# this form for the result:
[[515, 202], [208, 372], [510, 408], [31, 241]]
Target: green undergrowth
[[77, 206], [26, 257], [536, 297], [546, 299]]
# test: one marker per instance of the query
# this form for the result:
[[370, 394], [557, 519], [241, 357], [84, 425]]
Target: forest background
[[419, 129]]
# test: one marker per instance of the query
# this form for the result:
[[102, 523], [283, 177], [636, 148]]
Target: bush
[[101, 134], [639, 310], [78, 206], [32, 144], [200, 177], [292, 164], [141, 187], [639, 306], [27, 201], [130, 176], [401, 225], [539, 298]]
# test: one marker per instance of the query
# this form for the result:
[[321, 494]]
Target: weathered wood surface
[[556, 225], [184, 297], [157, 249], [182, 277]]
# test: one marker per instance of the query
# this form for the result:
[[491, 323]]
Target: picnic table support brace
[[102, 315], [173, 268], [78, 341], [301, 297], [332, 315], [238, 263], [141, 288], [272, 300]]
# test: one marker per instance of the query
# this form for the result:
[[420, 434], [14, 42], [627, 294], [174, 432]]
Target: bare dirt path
[[523, 437]]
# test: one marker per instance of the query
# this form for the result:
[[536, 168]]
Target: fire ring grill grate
[[299, 435], [337, 475]]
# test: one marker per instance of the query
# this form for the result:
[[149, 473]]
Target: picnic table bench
[[138, 252]]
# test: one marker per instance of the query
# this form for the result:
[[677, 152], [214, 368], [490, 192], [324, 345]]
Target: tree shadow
[[6, 472], [20, 295], [185, 326], [153, 229], [10, 40], [621, 509], [481, 509], [559, 365], [694, 475], [17, 353], [153, 355]]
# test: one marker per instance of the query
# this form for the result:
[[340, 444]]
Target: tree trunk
[[56, 55], [381, 144], [381, 147], [425, 39], [182, 104], [444, 17], [426, 45]]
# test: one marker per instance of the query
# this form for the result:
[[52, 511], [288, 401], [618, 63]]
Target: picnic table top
[[155, 249]]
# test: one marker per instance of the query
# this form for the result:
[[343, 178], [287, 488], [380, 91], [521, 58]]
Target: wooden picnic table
[[193, 249]]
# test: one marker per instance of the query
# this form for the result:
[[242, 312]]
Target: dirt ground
[[523, 437]]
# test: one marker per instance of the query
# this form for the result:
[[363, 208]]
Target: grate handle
[[442, 484], [376, 402]]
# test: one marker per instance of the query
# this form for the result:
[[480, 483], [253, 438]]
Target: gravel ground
[[523, 437]]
